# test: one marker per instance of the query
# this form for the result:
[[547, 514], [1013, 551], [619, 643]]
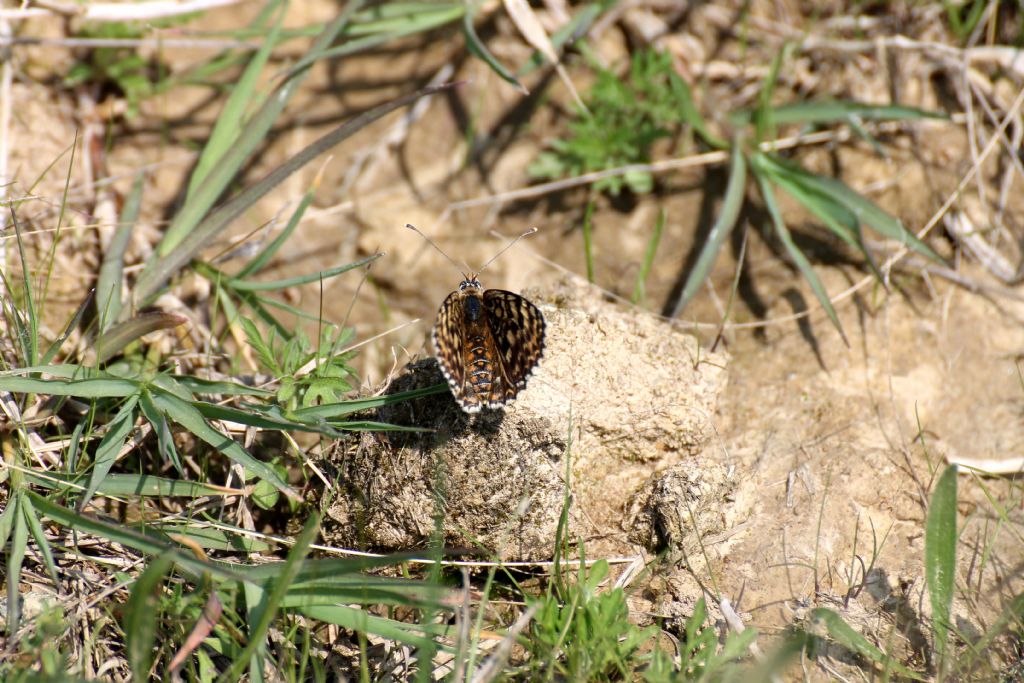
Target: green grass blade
[[272, 598], [252, 135], [118, 431], [226, 130], [215, 539], [157, 272], [15, 557], [141, 614], [478, 48], [251, 286], [39, 536], [108, 283], [28, 334], [360, 621], [191, 419], [588, 246], [720, 231], [940, 538], [83, 388], [208, 387], [125, 485], [73, 324], [798, 256], [821, 113], [846, 636], [640, 288], [335, 410], [164, 437], [268, 252], [861, 207], [142, 539]]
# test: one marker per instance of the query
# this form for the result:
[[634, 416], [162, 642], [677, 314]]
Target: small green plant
[[701, 658], [120, 71], [583, 634], [625, 119], [307, 375]]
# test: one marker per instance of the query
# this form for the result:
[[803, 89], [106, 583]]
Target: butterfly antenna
[[507, 247], [462, 269]]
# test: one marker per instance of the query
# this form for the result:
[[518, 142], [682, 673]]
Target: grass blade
[[250, 286], [157, 272], [272, 598], [226, 130], [108, 284], [940, 536], [191, 419], [798, 256], [122, 485], [119, 335], [82, 388], [39, 536], [588, 246], [844, 634], [478, 48], [15, 556], [110, 445], [141, 614], [640, 288], [227, 165], [731, 205]]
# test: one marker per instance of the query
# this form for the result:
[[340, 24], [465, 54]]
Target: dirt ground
[[823, 454]]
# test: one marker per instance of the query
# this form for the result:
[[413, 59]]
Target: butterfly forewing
[[487, 343]]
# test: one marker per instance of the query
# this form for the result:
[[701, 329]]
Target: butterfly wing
[[448, 342], [517, 328]]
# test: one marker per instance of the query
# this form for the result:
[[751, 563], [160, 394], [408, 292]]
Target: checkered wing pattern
[[517, 327]]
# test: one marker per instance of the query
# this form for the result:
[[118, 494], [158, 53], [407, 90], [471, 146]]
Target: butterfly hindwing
[[517, 328]]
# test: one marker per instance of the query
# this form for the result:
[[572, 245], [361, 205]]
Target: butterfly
[[487, 341]]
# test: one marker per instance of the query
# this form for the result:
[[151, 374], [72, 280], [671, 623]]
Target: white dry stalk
[[987, 466], [117, 11], [529, 26]]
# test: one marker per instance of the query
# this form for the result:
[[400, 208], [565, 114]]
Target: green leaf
[[118, 431], [191, 419], [15, 557], [108, 284], [227, 130], [640, 288], [798, 256], [39, 536], [720, 231], [251, 286], [83, 388], [158, 271], [141, 615], [122, 485], [940, 559], [478, 48], [844, 634]]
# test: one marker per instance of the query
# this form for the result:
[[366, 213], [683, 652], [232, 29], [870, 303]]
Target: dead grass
[[830, 453]]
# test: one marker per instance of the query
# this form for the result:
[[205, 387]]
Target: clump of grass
[[623, 120]]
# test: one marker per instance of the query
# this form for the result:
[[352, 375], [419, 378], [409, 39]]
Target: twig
[[694, 161]]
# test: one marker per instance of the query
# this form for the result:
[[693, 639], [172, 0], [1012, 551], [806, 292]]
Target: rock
[[618, 395]]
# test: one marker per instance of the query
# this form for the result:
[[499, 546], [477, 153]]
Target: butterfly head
[[470, 284]]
